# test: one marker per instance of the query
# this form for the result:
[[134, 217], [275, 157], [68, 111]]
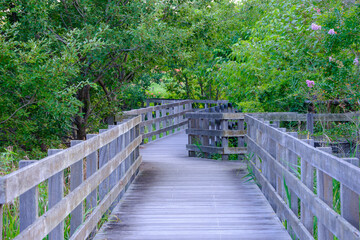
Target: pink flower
[[330, 59], [315, 27], [356, 61], [310, 83], [331, 32], [177, 70], [318, 10]]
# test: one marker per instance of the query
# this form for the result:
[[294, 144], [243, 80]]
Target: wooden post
[[310, 122], [76, 178], [91, 168], [149, 126], [241, 139], [127, 160], [28, 202], [325, 192], [350, 200], [293, 167], [224, 140], [56, 193], [157, 123], [307, 177], [103, 159], [142, 129], [191, 123]]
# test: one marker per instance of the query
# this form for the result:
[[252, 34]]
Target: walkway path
[[177, 197]]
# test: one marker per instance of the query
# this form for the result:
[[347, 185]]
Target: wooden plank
[[104, 187], [219, 133], [325, 193], [164, 130], [55, 215], [293, 116], [24, 179], [55, 193], [76, 178], [91, 168], [28, 202], [216, 115], [224, 140], [350, 200], [151, 109]]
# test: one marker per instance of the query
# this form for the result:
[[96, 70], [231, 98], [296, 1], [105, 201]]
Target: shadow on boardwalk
[[177, 197]]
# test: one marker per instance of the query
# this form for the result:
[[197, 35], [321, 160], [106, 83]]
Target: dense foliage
[[66, 66]]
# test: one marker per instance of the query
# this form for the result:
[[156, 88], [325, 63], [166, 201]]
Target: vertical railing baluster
[[28, 202], [350, 200], [307, 177], [91, 168], [157, 112], [103, 159], [325, 192], [56, 193], [76, 178], [224, 140]]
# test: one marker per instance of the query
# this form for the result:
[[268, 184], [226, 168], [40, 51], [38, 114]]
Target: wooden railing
[[299, 180], [161, 120], [196, 104], [99, 170], [216, 130]]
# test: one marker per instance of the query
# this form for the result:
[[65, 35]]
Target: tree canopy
[[66, 66]]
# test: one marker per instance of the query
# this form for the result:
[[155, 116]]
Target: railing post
[[76, 178], [28, 202], [91, 168], [241, 139], [103, 159], [149, 126], [310, 122], [350, 200], [325, 192], [224, 140], [293, 166], [307, 177], [157, 125], [56, 193]]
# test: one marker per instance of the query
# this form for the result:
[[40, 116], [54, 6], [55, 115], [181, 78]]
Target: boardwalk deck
[[176, 197]]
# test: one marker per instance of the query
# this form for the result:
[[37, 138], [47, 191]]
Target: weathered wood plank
[[28, 202], [91, 168], [150, 109], [76, 178], [165, 129], [55, 193], [218, 133]]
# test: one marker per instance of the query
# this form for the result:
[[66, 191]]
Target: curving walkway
[[177, 197]]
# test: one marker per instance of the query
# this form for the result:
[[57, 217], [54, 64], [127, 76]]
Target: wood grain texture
[[176, 197]]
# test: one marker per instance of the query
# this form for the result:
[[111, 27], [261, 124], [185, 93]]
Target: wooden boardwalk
[[177, 197]]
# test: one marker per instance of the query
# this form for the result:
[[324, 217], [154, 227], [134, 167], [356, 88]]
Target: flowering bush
[[291, 43]]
